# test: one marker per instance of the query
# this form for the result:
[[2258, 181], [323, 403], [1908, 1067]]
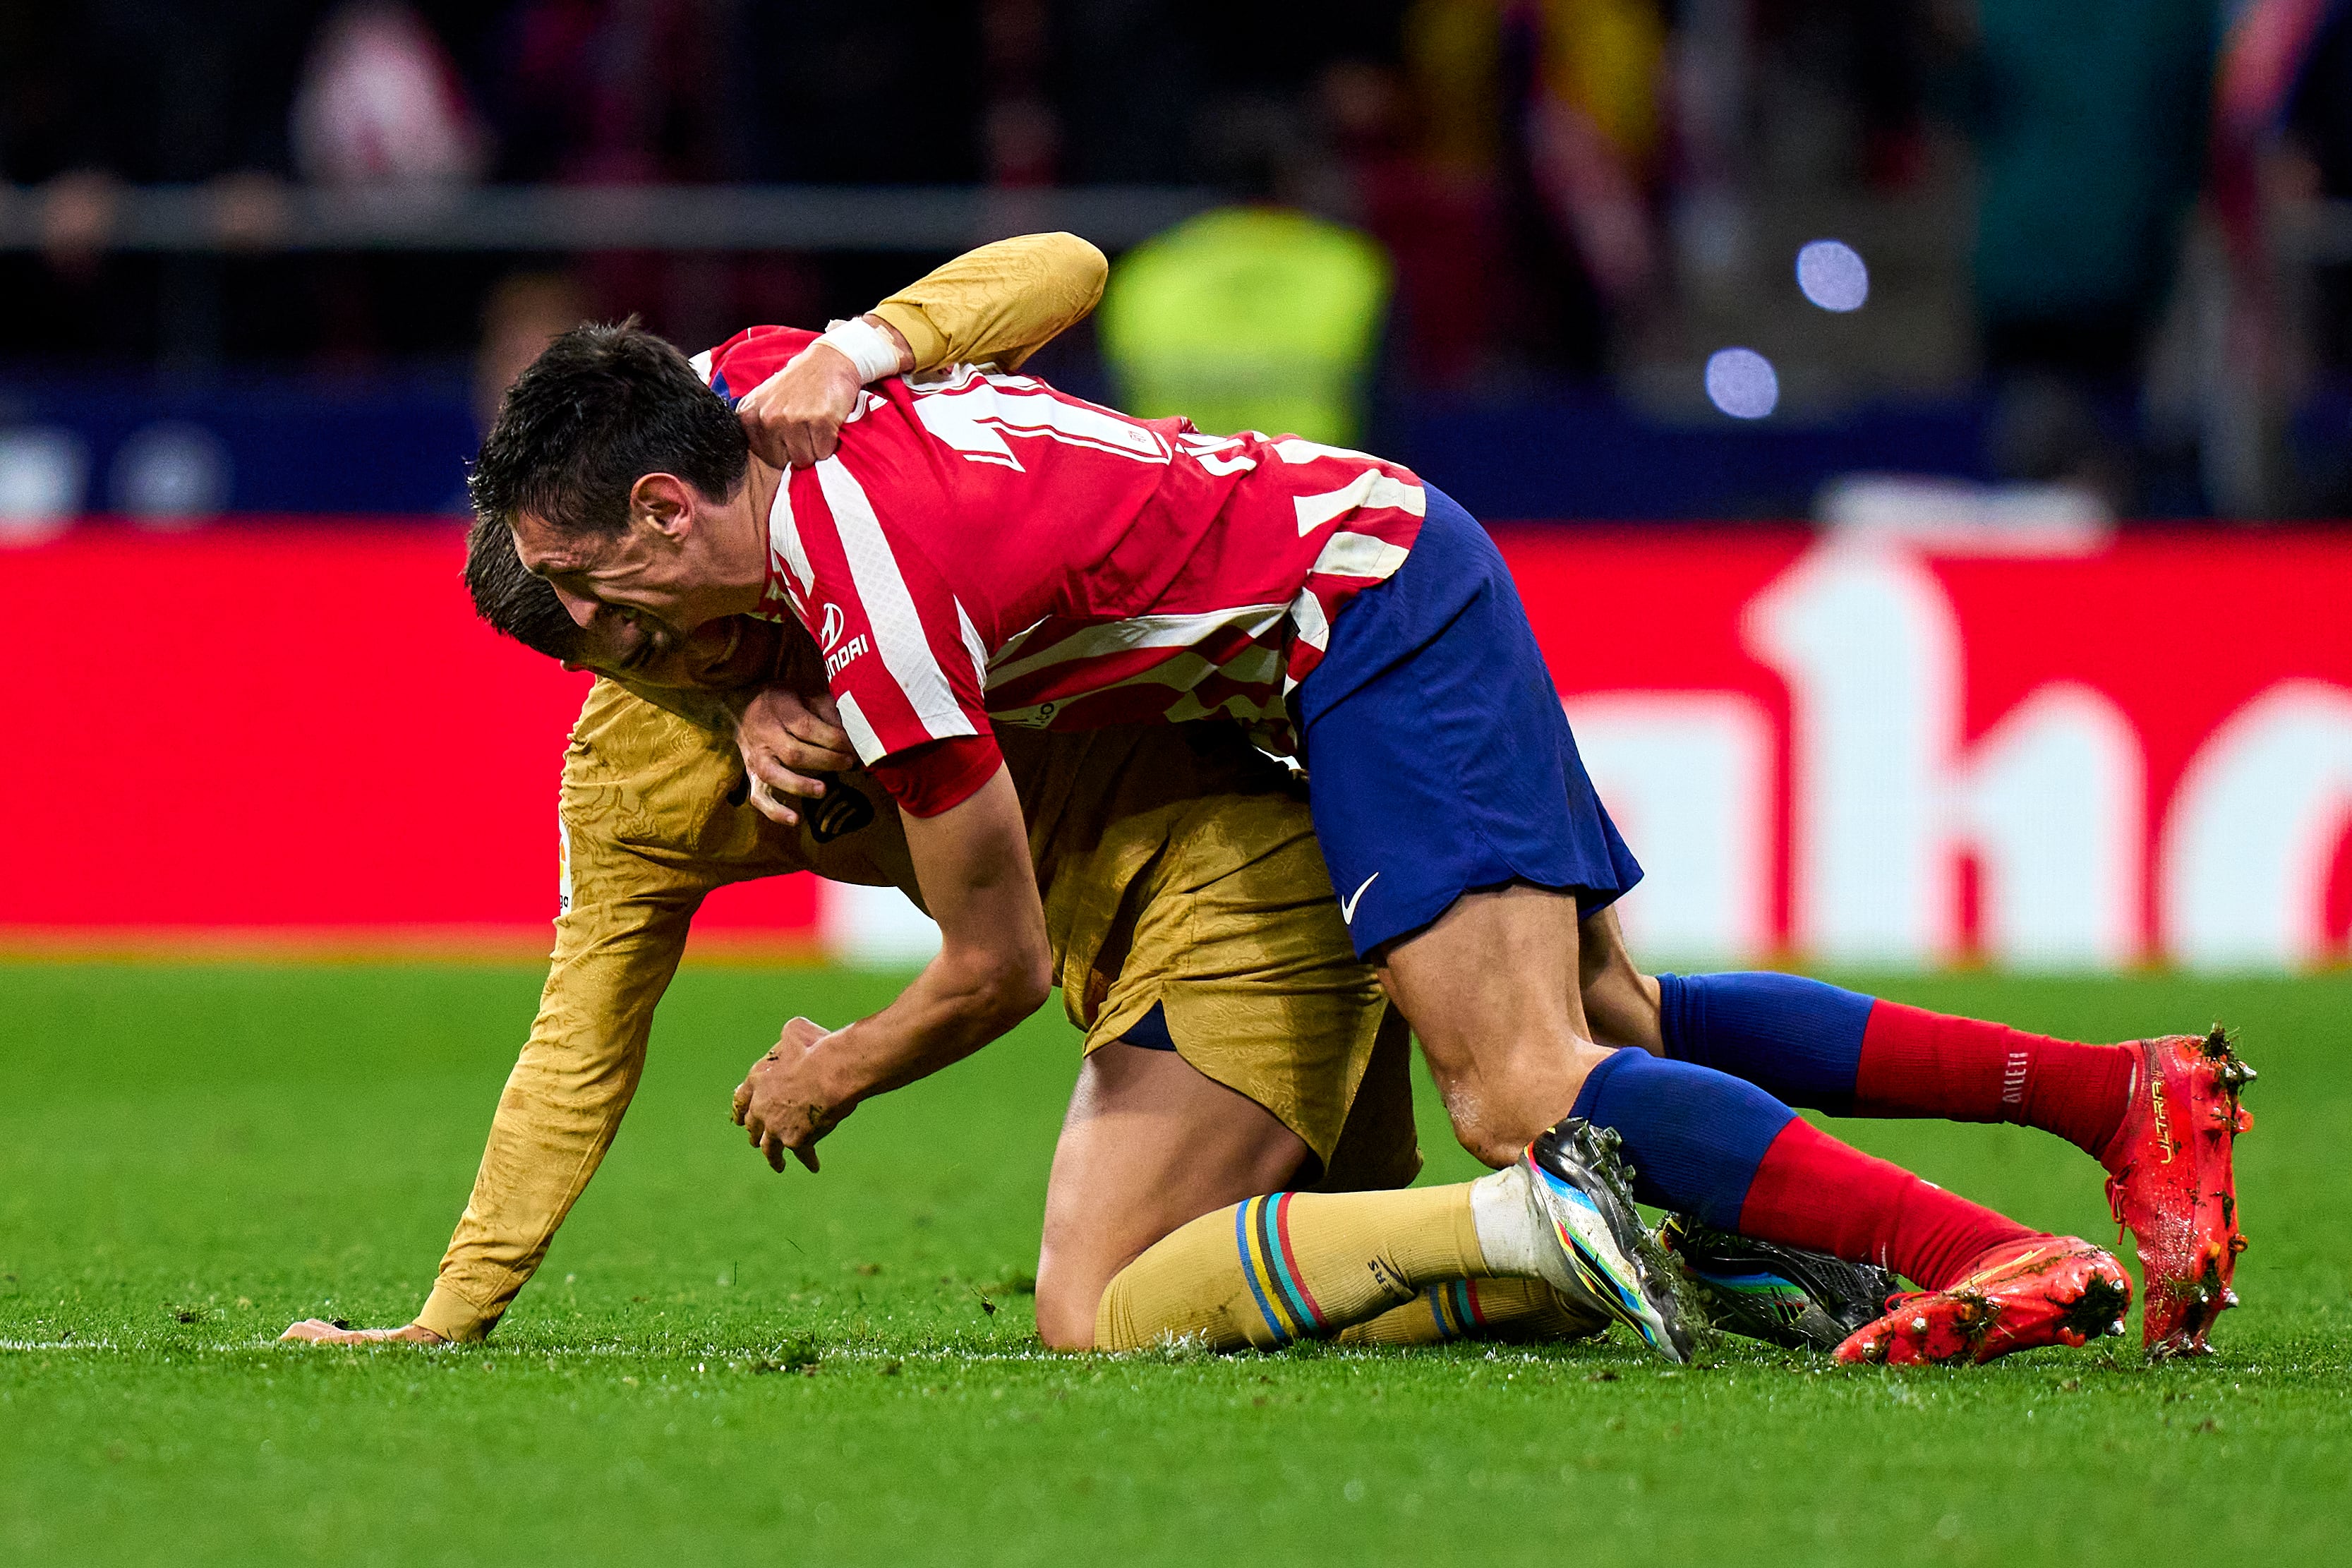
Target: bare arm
[[995, 967]]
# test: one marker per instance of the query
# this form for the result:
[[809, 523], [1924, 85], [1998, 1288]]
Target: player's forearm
[[559, 1113], [994, 966], [1000, 303], [545, 1144], [960, 1003]]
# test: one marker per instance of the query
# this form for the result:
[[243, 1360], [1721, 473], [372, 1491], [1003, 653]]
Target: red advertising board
[[284, 729], [2084, 752]]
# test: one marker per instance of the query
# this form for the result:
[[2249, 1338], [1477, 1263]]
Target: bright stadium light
[[1742, 383], [1833, 275]]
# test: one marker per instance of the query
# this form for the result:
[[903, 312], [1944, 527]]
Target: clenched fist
[[794, 418], [783, 1103]]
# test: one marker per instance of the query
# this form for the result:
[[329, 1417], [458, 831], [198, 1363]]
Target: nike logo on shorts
[[1348, 905]]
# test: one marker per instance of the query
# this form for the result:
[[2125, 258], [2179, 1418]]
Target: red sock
[[1917, 1063], [1813, 1191]]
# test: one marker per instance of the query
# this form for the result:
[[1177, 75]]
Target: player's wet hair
[[515, 603], [601, 408]]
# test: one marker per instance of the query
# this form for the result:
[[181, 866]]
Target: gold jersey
[[998, 304], [1178, 868]]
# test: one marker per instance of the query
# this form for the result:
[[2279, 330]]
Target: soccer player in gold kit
[[1235, 1046], [1234, 1043]]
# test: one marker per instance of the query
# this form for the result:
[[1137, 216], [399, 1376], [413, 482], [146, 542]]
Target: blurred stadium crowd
[[2095, 244]]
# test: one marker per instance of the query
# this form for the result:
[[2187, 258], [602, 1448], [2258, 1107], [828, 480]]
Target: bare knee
[[1149, 1145], [1474, 1125], [1495, 1142], [1494, 992], [1487, 1144], [1496, 1115], [1066, 1312]]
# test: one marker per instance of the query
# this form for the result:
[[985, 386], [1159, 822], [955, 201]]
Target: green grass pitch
[[721, 1363]]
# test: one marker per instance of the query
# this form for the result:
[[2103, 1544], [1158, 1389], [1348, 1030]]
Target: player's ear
[[664, 501]]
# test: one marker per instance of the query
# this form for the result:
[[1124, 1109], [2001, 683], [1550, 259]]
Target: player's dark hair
[[601, 408], [515, 603]]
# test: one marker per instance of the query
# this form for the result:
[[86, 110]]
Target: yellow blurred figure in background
[[1249, 318]]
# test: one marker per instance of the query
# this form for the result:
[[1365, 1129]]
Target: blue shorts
[[1438, 761]]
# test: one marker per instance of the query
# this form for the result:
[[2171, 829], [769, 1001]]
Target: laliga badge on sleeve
[[562, 866]]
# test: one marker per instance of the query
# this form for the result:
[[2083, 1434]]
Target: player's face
[[662, 567], [587, 574], [725, 655]]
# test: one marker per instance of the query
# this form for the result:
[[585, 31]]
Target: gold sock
[[1479, 1309], [1290, 1266]]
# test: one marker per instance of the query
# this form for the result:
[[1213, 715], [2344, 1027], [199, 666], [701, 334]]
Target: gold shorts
[[1234, 930]]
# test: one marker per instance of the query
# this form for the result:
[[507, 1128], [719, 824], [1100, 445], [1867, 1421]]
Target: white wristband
[[872, 351]]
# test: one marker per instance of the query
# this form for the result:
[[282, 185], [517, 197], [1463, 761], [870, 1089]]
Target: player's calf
[[1293, 1266]]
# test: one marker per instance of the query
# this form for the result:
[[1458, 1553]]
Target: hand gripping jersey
[[983, 546]]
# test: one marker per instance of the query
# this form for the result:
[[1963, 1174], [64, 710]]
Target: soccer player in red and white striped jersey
[[932, 560], [983, 546]]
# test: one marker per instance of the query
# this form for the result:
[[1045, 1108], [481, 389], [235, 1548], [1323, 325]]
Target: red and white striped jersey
[[983, 547]]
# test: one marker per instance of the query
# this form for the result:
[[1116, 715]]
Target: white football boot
[[1581, 1192]]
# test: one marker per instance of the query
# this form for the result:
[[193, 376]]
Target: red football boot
[[2059, 1290], [2170, 1182]]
